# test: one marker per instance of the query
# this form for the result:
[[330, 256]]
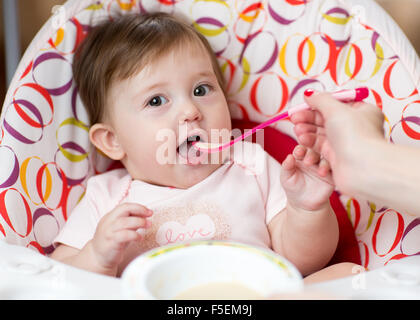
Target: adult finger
[[312, 141], [307, 116], [302, 128], [307, 139], [326, 104], [373, 110]]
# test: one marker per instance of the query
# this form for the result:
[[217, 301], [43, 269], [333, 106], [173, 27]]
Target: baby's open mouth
[[188, 152]]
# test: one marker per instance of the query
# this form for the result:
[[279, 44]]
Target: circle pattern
[[260, 45]]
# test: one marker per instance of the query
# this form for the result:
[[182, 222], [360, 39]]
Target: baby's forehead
[[156, 65], [156, 68], [170, 57]]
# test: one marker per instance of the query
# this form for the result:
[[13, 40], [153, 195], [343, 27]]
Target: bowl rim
[[268, 254], [131, 275]]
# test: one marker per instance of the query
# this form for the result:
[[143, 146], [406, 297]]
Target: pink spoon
[[352, 95]]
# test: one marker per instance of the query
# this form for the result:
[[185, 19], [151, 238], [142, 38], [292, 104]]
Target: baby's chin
[[180, 176], [189, 176]]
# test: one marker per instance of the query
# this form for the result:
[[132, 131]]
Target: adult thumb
[[325, 103]]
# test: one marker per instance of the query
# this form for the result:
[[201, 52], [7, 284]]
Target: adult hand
[[340, 133]]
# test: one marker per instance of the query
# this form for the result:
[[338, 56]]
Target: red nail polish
[[308, 92]]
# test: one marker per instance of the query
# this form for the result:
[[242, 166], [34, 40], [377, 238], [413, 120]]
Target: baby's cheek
[[163, 152]]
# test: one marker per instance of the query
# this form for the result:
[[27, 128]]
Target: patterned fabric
[[269, 51]]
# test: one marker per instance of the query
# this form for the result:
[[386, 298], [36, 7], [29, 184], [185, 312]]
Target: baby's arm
[[308, 239], [105, 251], [306, 231], [84, 258]]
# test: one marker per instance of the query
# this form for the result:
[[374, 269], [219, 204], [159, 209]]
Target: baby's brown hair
[[119, 48]]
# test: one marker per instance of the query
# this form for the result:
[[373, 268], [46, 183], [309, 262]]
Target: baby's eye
[[157, 101], [202, 90]]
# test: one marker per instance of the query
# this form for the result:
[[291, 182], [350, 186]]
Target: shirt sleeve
[[103, 193], [267, 171], [276, 199], [81, 224]]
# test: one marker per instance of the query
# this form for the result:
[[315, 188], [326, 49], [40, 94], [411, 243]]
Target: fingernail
[[309, 92]]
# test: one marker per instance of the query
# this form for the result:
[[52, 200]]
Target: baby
[[152, 85]]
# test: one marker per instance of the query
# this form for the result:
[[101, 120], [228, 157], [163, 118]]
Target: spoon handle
[[351, 95]]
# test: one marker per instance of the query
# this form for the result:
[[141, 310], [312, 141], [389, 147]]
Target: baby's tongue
[[183, 149], [187, 151]]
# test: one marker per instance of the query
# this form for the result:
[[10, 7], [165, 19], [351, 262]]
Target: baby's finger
[[288, 168], [131, 223], [124, 236], [289, 163], [132, 209], [324, 168], [311, 157], [299, 152]]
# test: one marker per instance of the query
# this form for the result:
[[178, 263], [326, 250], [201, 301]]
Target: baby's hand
[[116, 230], [306, 179]]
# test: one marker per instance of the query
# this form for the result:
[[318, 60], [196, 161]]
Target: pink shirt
[[236, 202]]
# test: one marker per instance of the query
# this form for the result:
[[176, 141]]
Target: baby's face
[[154, 114]]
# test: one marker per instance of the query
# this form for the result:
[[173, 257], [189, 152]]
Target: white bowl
[[171, 271]]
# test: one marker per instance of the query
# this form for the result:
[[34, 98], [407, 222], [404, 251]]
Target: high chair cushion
[[269, 52]]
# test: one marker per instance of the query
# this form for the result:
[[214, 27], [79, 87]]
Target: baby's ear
[[104, 138]]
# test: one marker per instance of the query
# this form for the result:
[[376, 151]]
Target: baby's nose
[[190, 112]]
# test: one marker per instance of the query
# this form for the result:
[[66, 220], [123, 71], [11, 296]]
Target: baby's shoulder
[[109, 185]]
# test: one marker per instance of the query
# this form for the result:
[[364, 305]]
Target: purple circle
[[15, 172], [17, 135], [338, 43], [273, 57], [36, 215], [217, 23], [48, 56], [74, 146], [282, 20], [410, 227]]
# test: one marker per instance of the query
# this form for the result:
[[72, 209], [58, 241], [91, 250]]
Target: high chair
[[269, 52]]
